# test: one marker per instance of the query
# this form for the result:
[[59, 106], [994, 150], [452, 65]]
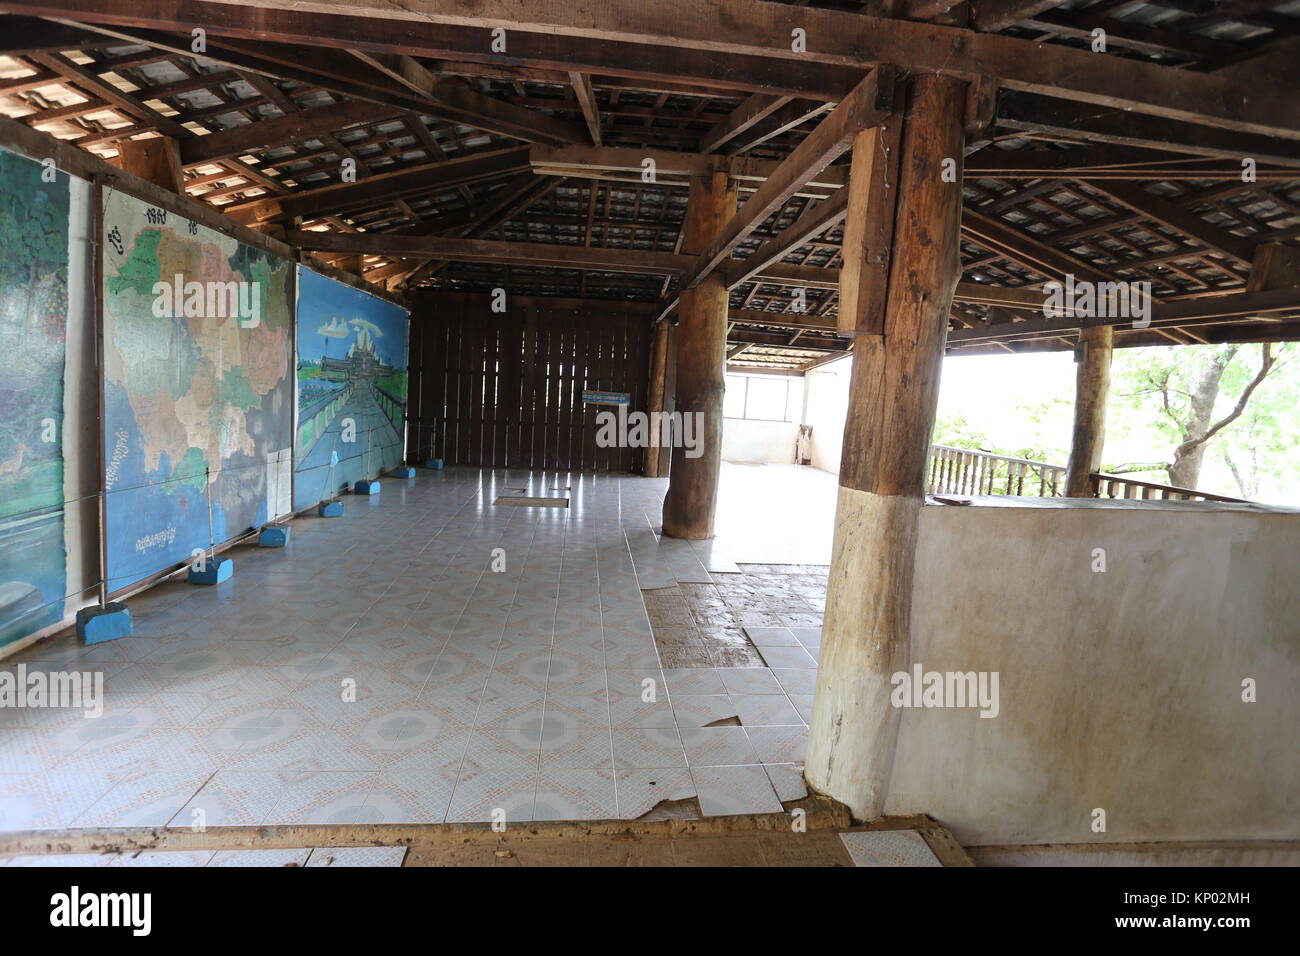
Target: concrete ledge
[[1105, 504], [1226, 853]]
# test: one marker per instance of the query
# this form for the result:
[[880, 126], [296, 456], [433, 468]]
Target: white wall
[[826, 391], [762, 441], [1120, 690]]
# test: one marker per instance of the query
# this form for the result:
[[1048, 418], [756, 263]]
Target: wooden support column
[[658, 376], [1092, 385], [866, 635], [156, 160], [701, 364]]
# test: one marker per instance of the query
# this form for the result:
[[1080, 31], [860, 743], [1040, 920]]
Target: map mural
[[198, 401], [351, 387], [35, 215]]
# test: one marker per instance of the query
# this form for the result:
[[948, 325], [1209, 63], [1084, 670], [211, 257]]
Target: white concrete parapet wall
[[1120, 690]]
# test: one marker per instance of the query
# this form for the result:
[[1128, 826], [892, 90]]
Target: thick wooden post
[[658, 375], [866, 635], [701, 366], [1092, 385]]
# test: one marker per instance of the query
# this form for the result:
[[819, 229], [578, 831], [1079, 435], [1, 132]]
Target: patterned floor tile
[[575, 795], [494, 796], [889, 848], [726, 791], [779, 744], [760, 710], [326, 797], [701, 711], [717, 746], [750, 680], [232, 799], [648, 748], [260, 858], [787, 780], [640, 791], [693, 681]]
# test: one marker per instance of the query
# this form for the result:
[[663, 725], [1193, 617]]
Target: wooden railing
[[961, 471], [1116, 486]]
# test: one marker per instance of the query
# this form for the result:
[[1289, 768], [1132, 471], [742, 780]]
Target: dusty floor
[[383, 669]]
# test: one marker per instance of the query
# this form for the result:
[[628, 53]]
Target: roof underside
[[472, 146]]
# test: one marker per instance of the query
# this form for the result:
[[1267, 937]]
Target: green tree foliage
[[1041, 422], [1216, 417], [1239, 430]]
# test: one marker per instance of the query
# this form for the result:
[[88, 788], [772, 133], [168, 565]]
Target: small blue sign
[[607, 398]]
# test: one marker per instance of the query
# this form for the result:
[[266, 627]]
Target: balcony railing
[[1117, 486], [961, 471]]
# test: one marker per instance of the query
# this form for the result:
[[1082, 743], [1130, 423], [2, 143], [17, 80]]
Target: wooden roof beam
[[788, 117], [20, 36], [795, 322], [1208, 311], [868, 104], [454, 99], [341, 198], [549, 255], [991, 16], [586, 96], [282, 130], [1167, 214], [1069, 120], [390, 80], [669, 167], [1003, 240], [754, 109], [88, 82], [724, 29], [818, 217]]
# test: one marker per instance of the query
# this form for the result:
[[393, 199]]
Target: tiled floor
[[388, 667]]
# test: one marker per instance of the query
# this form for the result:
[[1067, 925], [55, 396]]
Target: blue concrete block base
[[435, 464], [215, 570], [330, 509], [98, 624], [366, 488], [403, 472], [273, 536]]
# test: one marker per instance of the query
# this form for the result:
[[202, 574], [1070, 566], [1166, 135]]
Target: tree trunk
[[1185, 470]]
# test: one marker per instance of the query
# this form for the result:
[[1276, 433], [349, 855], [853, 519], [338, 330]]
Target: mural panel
[[198, 399], [351, 387], [36, 208]]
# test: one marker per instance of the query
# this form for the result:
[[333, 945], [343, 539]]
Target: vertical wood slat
[[605, 457], [584, 419], [564, 397], [541, 347], [590, 322], [528, 387], [505, 389], [638, 385], [476, 339]]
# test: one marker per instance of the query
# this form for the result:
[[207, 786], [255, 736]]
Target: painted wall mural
[[198, 399], [36, 210], [352, 357]]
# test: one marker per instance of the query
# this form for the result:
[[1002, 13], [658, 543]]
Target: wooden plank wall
[[505, 389]]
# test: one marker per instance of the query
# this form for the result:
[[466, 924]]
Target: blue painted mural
[[352, 357]]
